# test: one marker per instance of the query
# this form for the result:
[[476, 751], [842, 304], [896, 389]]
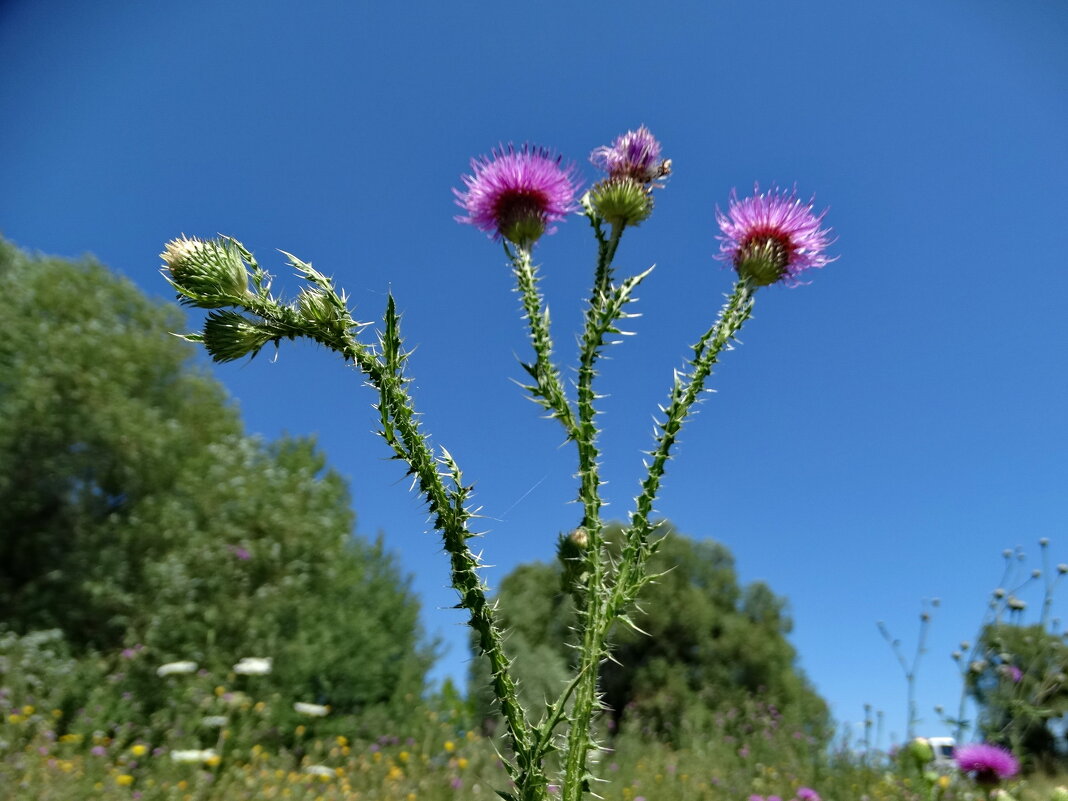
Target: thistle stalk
[[686, 390]]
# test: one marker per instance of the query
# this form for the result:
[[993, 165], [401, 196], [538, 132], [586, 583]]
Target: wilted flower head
[[253, 666], [989, 764], [635, 154], [312, 710], [517, 194], [770, 236], [176, 668]]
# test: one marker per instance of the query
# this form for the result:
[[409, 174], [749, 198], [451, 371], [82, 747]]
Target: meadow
[[215, 737]]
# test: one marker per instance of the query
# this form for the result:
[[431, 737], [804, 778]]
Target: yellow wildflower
[[124, 780]]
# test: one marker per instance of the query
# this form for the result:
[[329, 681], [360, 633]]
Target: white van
[[943, 753]]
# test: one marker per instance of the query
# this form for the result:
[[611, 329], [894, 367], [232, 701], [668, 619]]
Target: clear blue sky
[[880, 437]]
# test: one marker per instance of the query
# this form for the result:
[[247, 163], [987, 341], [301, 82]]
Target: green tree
[[708, 644], [1020, 684], [135, 511]]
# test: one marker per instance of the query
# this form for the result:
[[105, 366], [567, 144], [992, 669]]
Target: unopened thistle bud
[[229, 336], [621, 201], [206, 273], [571, 551]]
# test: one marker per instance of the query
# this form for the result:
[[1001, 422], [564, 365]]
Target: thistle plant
[[516, 196]]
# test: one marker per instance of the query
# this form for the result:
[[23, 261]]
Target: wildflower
[[312, 710], [176, 668], [517, 194], [772, 237], [213, 721], [633, 163], [241, 553], [124, 780], [319, 770], [807, 794], [98, 750], [635, 154], [1013, 673], [194, 755], [254, 666], [988, 763], [139, 749]]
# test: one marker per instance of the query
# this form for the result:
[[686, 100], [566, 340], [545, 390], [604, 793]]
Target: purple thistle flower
[[771, 236], [635, 154], [988, 763], [807, 794], [517, 194]]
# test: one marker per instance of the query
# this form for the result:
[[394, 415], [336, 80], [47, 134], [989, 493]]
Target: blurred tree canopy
[[710, 645], [135, 511]]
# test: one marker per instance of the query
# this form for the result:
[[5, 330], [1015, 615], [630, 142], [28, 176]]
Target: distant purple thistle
[[988, 763], [1014, 673], [807, 794], [635, 154], [517, 194], [239, 552], [771, 236]]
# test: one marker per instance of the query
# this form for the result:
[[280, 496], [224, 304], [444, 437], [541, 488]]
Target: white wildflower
[[193, 755], [175, 668], [253, 666], [313, 710], [319, 770], [214, 721]]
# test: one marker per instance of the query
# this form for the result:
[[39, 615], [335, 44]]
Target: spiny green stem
[[548, 389], [685, 392], [401, 431]]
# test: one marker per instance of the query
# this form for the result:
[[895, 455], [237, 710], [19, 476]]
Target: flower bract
[[988, 764], [772, 236], [518, 193]]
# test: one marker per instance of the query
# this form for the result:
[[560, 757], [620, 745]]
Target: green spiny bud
[[207, 273], [315, 305], [229, 336], [919, 751], [622, 201], [571, 551]]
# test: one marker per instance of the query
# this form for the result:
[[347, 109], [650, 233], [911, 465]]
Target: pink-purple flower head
[[988, 764], [518, 194], [772, 236], [635, 154]]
